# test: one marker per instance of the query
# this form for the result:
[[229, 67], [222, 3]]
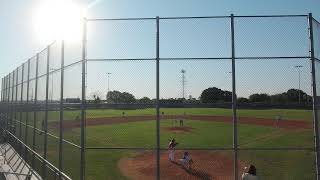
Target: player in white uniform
[[171, 149]]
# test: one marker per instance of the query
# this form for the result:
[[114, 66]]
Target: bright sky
[[178, 39]]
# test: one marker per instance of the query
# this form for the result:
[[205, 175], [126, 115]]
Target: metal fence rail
[[51, 92]]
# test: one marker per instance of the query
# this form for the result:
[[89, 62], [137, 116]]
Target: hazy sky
[[200, 38]]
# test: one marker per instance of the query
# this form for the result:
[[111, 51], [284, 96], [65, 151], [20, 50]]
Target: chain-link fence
[[231, 90]]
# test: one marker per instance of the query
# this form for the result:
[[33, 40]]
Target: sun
[[59, 20]]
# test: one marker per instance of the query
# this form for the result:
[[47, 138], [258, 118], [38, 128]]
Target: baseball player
[[181, 122], [186, 160], [278, 119], [171, 149]]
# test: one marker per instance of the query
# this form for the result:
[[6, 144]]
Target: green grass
[[292, 114], [102, 164], [284, 165]]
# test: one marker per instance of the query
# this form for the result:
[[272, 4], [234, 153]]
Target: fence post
[[6, 100], [8, 109], [12, 105], [10, 101], [1, 90], [35, 113], [61, 111], [16, 104], [9, 104], [157, 100], [83, 102], [27, 111], [6, 88], [1, 112], [45, 128], [21, 105], [7, 94], [314, 93], [234, 104]]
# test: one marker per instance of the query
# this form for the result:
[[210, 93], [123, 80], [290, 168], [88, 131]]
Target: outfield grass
[[293, 114]]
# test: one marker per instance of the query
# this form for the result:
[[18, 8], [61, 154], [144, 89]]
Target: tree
[[213, 94], [192, 100], [145, 100], [127, 98], [96, 96], [120, 97], [242, 100], [227, 96], [114, 97], [172, 101], [279, 98], [265, 98], [293, 96]]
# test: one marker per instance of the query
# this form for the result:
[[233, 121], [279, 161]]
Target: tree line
[[214, 95], [209, 95]]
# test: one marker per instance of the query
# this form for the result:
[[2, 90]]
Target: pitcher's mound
[[207, 165]]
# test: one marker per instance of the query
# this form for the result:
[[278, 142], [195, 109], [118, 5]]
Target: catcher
[[186, 161]]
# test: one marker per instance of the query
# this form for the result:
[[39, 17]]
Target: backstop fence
[[232, 90]]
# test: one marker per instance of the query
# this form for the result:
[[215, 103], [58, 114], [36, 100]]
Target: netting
[[231, 91]]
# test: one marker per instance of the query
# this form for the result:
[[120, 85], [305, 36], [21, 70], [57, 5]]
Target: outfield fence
[[56, 113]]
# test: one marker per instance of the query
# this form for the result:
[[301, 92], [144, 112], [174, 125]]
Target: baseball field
[[206, 133]]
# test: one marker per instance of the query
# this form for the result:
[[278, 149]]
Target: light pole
[[108, 75], [183, 81], [299, 72]]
